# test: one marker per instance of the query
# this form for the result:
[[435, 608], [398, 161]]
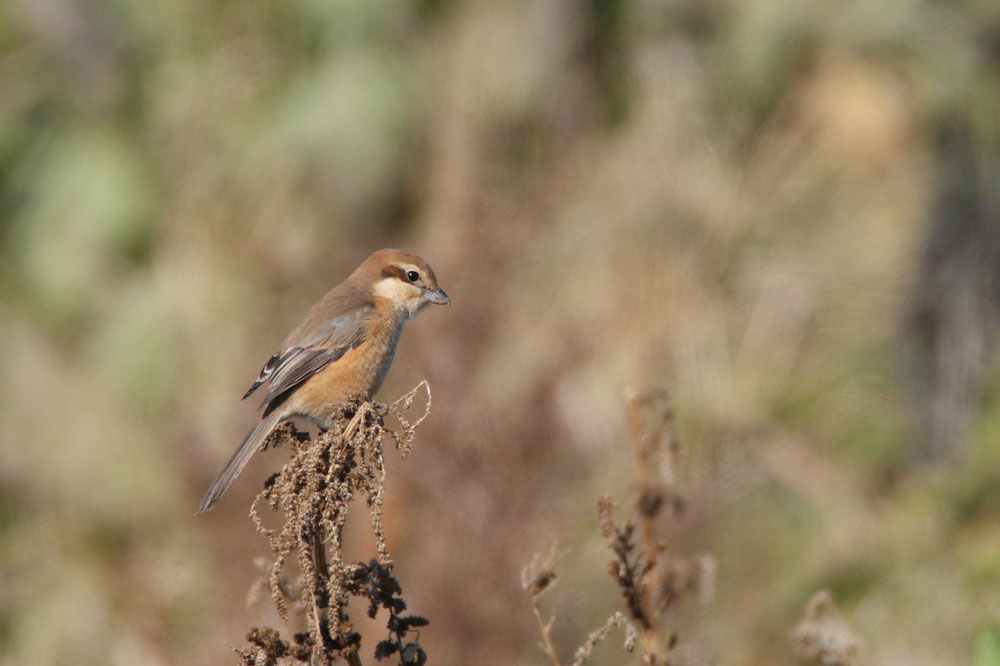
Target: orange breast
[[356, 374]]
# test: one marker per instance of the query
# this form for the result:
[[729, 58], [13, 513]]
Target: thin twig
[[546, 628], [616, 621]]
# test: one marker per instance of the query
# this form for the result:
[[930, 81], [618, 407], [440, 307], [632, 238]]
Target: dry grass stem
[[538, 577], [314, 491]]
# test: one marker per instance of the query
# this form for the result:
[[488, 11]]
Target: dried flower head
[[822, 636], [539, 575]]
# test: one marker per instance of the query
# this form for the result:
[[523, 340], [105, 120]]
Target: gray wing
[[332, 339]]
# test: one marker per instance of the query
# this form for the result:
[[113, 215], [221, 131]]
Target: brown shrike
[[339, 352]]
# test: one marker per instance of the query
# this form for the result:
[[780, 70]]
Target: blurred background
[[786, 213]]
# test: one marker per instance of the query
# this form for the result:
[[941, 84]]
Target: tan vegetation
[[783, 212]]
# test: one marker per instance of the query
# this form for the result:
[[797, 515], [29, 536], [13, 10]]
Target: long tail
[[239, 460]]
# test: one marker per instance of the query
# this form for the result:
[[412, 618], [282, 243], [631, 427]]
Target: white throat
[[405, 297]]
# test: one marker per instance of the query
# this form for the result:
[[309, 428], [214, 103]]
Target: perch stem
[[322, 583]]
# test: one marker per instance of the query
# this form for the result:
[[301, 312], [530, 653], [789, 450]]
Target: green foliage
[[88, 209], [986, 645]]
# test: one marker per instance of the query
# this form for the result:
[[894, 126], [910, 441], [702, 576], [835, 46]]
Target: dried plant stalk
[[650, 579], [314, 491], [538, 577]]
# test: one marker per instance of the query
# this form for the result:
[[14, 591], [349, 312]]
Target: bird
[[340, 351]]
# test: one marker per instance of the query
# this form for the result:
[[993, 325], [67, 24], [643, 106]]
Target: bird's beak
[[437, 296]]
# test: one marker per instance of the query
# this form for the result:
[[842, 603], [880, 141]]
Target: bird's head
[[404, 280]]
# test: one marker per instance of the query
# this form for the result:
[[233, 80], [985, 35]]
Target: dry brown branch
[[314, 491]]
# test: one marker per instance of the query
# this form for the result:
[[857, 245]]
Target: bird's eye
[[412, 276]]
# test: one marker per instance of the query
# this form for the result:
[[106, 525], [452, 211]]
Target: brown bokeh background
[[786, 213]]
